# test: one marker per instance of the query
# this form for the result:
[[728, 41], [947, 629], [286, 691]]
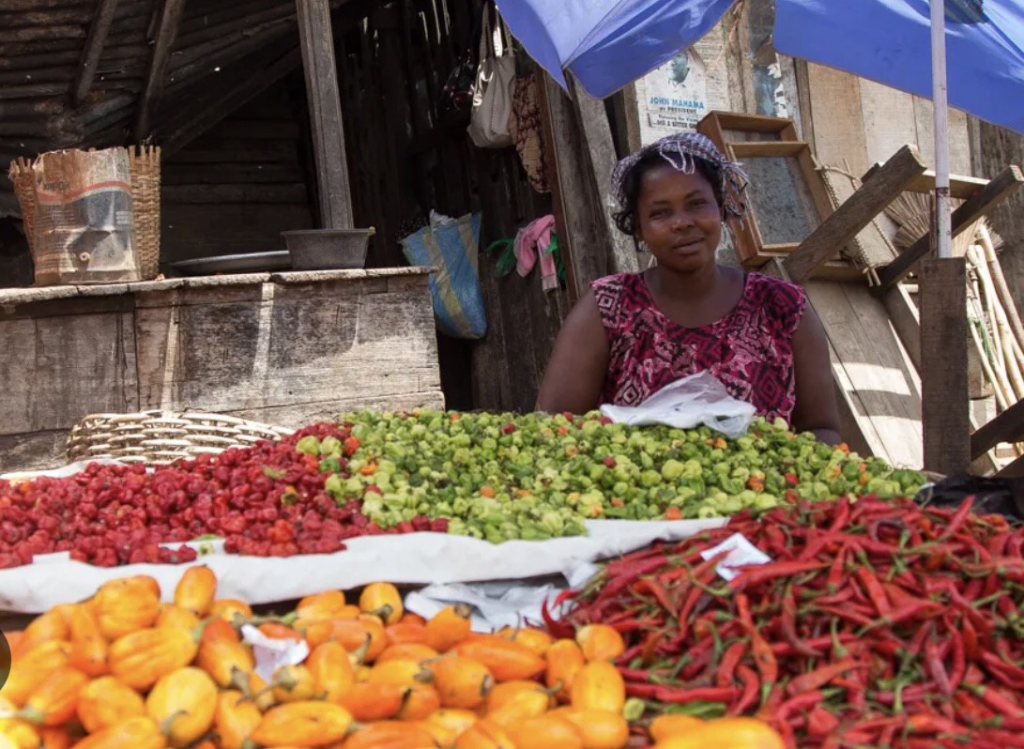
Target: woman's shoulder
[[617, 282], [781, 299], [770, 289], [619, 298]]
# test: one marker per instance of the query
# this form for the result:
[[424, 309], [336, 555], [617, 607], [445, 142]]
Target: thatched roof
[[105, 72]]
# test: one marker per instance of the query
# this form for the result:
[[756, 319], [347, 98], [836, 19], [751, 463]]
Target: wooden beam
[[945, 414], [94, 43], [1006, 427], [209, 112], [167, 31], [994, 193], [767, 148], [592, 118], [545, 89], [317, 44], [852, 216], [960, 187], [906, 321], [755, 122], [1014, 470]]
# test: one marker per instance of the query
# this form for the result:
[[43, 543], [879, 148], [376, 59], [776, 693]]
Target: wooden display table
[[280, 348]]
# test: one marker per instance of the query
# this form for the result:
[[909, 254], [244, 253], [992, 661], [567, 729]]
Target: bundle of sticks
[[992, 314]]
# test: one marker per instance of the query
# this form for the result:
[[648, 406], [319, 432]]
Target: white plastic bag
[[687, 403]]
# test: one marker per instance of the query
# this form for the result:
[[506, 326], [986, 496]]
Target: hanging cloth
[[533, 243]]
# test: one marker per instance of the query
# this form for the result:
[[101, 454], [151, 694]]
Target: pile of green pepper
[[535, 477]]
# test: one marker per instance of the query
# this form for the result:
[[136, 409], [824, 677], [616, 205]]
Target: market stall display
[[876, 623], [496, 477], [122, 670]]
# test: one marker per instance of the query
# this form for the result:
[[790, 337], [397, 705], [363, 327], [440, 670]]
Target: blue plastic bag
[[452, 247]]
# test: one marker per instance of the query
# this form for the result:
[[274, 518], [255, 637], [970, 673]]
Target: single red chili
[[935, 667], [848, 614], [820, 722], [841, 515], [1001, 738], [932, 723], [835, 600], [1008, 674], [958, 518], [970, 711], [874, 590], [820, 677], [998, 543], [751, 576], [789, 626], [660, 595], [751, 687], [682, 695], [730, 660], [959, 666], [998, 701], [818, 644], [836, 570], [644, 691], [802, 701]]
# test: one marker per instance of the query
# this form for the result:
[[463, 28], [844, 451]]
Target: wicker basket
[[144, 162], [161, 437], [24, 180], [145, 167]]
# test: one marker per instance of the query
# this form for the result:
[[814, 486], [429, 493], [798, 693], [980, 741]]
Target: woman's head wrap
[[679, 150]]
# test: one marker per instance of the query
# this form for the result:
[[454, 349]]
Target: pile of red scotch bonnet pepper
[[876, 623]]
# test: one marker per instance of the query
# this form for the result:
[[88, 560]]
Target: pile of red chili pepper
[[877, 623]]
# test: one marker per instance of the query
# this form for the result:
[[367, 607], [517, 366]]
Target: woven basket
[[145, 168], [161, 437], [23, 177]]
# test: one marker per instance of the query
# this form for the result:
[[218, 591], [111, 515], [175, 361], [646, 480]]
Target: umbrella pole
[[945, 415], [943, 229]]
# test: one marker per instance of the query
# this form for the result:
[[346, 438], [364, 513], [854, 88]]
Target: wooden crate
[[285, 349]]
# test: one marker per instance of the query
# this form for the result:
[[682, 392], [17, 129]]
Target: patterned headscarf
[[679, 150]]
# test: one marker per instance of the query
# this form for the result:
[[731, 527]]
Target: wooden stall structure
[[218, 86], [286, 349]]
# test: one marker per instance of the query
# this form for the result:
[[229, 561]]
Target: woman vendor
[[633, 334]]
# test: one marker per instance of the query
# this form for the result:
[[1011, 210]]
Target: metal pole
[[943, 229]]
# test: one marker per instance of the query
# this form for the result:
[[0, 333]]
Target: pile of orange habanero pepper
[[125, 671], [879, 624]]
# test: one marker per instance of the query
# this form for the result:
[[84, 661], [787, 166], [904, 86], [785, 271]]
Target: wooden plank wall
[[404, 161], [237, 187], [286, 349], [995, 149]]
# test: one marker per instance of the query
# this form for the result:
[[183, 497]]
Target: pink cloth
[[531, 242]]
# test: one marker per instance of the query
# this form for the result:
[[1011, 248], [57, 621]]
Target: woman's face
[[679, 218]]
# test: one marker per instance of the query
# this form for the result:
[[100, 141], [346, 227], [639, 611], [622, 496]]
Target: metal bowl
[[328, 249]]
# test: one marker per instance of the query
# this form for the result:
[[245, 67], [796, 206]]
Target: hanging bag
[[495, 79], [451, 247], [455, 102]]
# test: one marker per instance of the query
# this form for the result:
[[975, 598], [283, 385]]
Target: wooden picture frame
[[787, 198]]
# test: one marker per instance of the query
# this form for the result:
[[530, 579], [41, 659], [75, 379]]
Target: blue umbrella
[[607, 44]]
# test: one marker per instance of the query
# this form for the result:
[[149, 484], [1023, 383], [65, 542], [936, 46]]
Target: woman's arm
[[579, 361], [815, 390]]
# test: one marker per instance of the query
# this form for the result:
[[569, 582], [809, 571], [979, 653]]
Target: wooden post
[[584, 157], [974, 208], [167, 31], [317, 43], [880, 189], [592, 118], [99, 28], [554, 179], [944, 394]]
